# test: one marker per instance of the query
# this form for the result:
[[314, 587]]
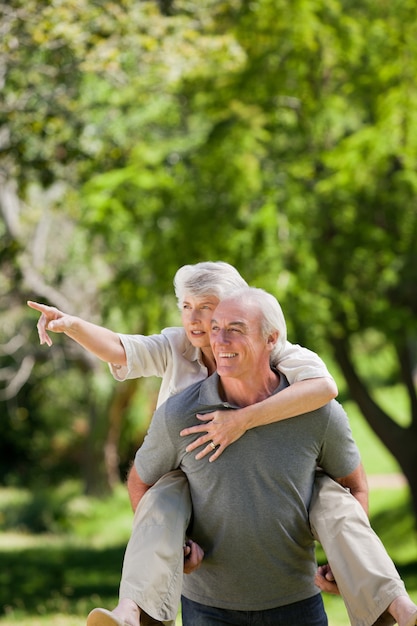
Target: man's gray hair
[[271, 316], [209, 278]]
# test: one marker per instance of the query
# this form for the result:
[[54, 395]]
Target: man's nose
[[222, 336]]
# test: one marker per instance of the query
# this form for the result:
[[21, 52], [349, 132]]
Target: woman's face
[[196, 315]]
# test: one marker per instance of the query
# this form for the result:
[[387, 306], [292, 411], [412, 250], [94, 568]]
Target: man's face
[[236, 340], [196, 315]]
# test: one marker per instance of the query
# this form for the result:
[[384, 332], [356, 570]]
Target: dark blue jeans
[[308, 612]]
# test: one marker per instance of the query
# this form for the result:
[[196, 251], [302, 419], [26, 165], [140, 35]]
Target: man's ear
[[272, 339]]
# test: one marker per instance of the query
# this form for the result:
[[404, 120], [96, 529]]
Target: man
[[250, 507]]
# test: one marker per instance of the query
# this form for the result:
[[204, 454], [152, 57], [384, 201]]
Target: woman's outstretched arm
[[102, 342]]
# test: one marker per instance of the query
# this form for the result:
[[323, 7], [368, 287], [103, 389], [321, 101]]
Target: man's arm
[[357, 484], [136, 487]]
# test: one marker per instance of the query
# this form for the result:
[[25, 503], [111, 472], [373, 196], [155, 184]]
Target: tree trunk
[[121, 400], [400, 441]]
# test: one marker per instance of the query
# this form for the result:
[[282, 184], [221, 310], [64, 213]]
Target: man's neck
[[246, 392]]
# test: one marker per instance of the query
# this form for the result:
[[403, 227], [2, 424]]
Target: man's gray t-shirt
[[250, 507]]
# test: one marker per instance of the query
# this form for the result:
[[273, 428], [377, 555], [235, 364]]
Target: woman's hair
[[210, 278], [271, 316]]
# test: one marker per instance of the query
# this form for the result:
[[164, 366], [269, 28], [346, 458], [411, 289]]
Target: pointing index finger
[[42, 308]]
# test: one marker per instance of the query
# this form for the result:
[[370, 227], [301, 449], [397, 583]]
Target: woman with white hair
[[181, 356]]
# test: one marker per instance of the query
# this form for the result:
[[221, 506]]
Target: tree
[[350, 198], [277, 135], [363, 220], [323, 125], [53, 132]]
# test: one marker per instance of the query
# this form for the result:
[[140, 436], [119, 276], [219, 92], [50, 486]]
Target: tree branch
[[19, 379]]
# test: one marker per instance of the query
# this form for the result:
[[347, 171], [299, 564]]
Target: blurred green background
[[135, 137]]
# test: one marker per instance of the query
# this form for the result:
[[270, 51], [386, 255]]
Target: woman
[[182, 356]]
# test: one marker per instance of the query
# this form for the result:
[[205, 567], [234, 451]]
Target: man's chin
[[226, 370]]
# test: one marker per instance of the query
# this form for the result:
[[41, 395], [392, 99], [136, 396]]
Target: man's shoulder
[[200, 395], [333, 417], [331, 408], [335, 408], [331, 412], [184, 399]]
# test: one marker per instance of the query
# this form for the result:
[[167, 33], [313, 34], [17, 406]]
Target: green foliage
[[41, 511], [136, 137], [59, 579]]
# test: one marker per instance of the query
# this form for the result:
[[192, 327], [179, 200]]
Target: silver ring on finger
[[212, 444]]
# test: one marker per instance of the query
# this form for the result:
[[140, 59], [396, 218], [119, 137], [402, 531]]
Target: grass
[[58, 578], [51, 579]]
